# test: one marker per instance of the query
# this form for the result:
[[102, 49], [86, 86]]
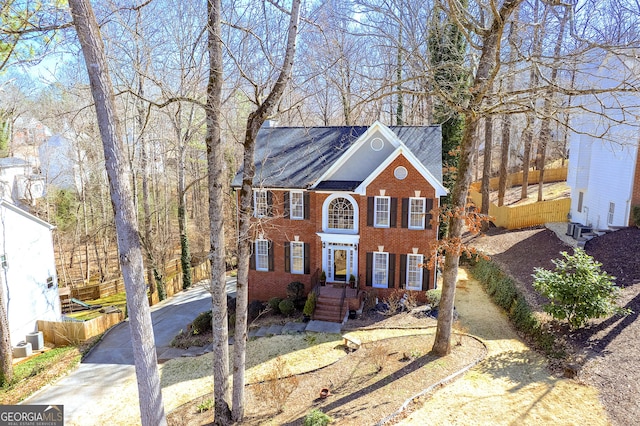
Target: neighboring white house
[[28, 269], [18, 182], [59, 162], [604, 174]]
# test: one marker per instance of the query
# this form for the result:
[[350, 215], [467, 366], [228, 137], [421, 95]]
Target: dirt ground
[[606, 352]]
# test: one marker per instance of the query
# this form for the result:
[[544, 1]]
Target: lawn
[[119, 300]]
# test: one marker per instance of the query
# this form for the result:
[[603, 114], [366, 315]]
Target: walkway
[[512, 386]]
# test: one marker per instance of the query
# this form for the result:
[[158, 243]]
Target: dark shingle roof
[[295, 157]]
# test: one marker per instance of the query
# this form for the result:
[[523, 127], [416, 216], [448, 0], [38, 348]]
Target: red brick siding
[[396, 240], [264, 285]]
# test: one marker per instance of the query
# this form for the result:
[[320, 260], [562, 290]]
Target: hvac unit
[[571, 226], [579, 230]]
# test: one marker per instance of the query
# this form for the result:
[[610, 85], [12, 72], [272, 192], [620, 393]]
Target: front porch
[[335, 300]]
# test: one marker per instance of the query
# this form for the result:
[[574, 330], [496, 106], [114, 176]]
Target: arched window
[[340, 214]]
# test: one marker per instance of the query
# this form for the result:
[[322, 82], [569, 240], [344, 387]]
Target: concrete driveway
[[108, 370]]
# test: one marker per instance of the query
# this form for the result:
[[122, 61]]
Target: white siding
[[28, 247]]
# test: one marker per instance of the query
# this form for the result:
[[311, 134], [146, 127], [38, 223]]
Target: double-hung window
[[612, 210], [417, 207], [262, 255], [297, 257], [380, 276], [382, 212], [296, 205], [260, 203], [414, 271]]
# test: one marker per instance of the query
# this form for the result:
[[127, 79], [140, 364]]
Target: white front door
[[340, 262]]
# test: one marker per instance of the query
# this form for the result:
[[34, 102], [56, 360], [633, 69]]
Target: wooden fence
[[173, 282], [74, 332], [528, 214]]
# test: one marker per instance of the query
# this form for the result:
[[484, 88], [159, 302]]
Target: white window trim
[[374, 282], [375, 211], [292, 257], [257, 254], [424, 213], [256, 212], [291, 205], [611, 213], [420, 271]]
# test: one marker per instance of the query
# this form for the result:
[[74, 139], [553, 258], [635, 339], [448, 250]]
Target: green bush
[[577, 289], [433, 297], [316, 418], [310, 304], [202, 323], [274, 304], [635, 214], [295, 290], [287, 307]]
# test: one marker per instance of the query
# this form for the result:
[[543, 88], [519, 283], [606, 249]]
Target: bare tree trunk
[[254, 122], [217, 183], [545, 130], [485, 189], [481, 84], [185, 254], [527, 137], [6, 351], [130, 252]]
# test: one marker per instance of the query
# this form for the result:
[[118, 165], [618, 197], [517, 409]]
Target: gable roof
[[298, 157]]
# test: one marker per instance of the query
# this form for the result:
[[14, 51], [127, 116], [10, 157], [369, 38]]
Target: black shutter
[[393, 213], [307, 258], [369, 268], [425, 278], [427, 218], [287, 256], [286, 205], [392, 270], [370, 209], [305, 198], [269, 203], [252, 258], [404, 219], [271, 268], [403, 270]]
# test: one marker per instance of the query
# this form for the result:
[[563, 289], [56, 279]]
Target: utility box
[[37, 340], [22, 350]]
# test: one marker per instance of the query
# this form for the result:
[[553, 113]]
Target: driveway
[[108, 370]]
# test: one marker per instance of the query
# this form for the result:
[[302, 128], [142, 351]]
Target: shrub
[[254, 309], [316, 418], [274, 304], [310, 304], [202, 323], [577, 289], [635, 214], [287, 307], [433, 297], [295, 290], [278, 385]]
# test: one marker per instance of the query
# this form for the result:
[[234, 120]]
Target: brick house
[[349, 200]]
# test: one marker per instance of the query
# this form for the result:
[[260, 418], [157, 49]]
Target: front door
[[340, 263]]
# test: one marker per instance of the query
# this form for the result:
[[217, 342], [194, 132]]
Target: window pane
[[414, 271], [340, 214], [262, 255], [416, 213], [297, 206], [380, 269], [260, 203], [382, 211], [297, 257]]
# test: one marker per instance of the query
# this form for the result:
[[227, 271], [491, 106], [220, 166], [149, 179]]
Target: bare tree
[[489, 41], [264, 110], [129, 247]]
